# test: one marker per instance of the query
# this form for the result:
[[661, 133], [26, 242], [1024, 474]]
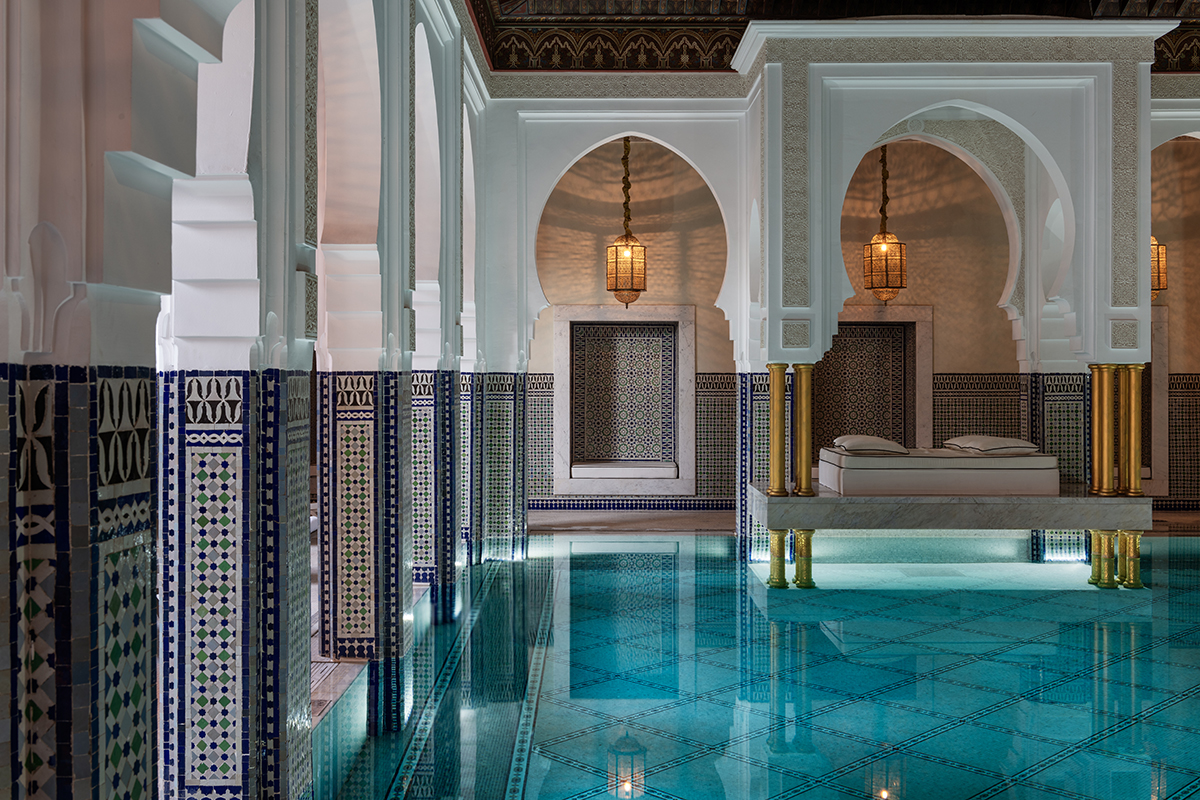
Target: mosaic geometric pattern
[[1047, 545], [34, 427], [7, 633], [865, 384], [986, 404], [214, 591], [125, 440], [716, 450], [124, 648], [36, 692], [465, 472], [623, 392], [760, 450], [500, 497], [1183, 420], [716, 434], [295, 657], [356, 512], [540, 424], [214, 400], [1062, 426], [449, 548], [424, 485]]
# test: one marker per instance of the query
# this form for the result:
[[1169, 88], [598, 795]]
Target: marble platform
[[1072, 510]]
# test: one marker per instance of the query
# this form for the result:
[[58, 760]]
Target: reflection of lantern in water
[[885, 778], [626, 768]]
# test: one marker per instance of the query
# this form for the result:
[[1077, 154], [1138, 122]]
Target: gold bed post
[[777, 486], [802, 394], [1094, 486], [1102, 429], [1131, 425], [1122, 429]]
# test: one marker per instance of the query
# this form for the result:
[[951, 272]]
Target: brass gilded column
[[802, 394], [1094, 486], [1122, 559], [1132, 418], [804, 578], [778, 578], [1102, 445], [1133, 560], [777, 486], [1122, 429], [1108, 577], [1095, 558]]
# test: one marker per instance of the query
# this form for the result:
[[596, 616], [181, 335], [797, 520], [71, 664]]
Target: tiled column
[[209, 585], [285, 572], [424, 432], [504, 479], [79, 609], [753, 454], [448, 549], [391, 670], [347, 451]]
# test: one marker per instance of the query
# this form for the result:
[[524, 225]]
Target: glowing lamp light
[[885, 259], [626, 768], [625, 268], [1158, 268]]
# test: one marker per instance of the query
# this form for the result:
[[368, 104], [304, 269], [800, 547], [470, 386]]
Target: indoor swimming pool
[[657, 665]]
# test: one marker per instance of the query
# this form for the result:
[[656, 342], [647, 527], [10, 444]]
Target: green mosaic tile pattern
[[716, 435], [125, 654], [356, 513], [35, 689], [213, 721]]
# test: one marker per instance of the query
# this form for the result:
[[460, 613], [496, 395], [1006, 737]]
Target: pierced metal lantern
[[626, 262], [885, 260], [626, 768], [1158, 268]]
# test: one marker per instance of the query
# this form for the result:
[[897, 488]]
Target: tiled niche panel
[[623, 391]]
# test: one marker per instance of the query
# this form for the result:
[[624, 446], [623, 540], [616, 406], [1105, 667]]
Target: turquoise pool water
[[609, 665]]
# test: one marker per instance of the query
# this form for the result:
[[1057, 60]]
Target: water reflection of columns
[[777, 739]]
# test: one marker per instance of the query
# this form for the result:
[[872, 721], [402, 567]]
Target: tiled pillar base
[[504, 501], [753, 410], [209, 585], [79, 482]]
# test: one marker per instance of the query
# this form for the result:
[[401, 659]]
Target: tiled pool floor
[[665, 650]]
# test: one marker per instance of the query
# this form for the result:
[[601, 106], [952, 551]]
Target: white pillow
[[868, 444], [996, 445]]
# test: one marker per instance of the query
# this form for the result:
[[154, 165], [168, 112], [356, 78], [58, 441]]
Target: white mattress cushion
[[857, 443], [990, 444], [918, 458]]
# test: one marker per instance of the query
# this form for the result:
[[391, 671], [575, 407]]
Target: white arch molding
[[714, 143], [1054, 108]]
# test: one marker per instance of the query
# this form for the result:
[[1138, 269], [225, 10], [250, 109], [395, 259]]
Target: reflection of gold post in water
[[1105, 443], [777, 486], [1095, 557], [1133, 421], [777, 740], [1122, 561], [802, 392], [1122, 430], [1133, 560], [1108, 578], [804, 578], [1097, 401], [778, 578]]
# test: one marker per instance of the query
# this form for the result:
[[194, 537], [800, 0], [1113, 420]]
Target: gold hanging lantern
[[885, 262], [626, 263], [1158, 268]]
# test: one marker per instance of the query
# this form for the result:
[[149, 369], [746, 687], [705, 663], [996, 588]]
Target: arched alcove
[[958, 250], [674, 214], [1175, 223]]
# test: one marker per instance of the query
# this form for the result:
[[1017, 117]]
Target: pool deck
[[1071, 510]]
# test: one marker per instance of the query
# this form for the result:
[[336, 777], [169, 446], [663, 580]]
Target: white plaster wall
[[673, 213]]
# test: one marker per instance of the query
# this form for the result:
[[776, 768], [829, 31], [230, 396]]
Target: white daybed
[[876, 470]]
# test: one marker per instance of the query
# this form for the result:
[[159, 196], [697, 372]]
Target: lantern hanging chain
[[883, 207], [625, 184]]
